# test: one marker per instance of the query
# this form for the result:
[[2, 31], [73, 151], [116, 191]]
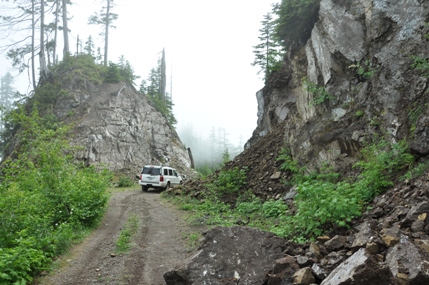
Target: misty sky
[[208, 48]]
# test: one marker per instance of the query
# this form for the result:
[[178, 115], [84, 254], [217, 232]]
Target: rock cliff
[[119, 128], [359, 54]]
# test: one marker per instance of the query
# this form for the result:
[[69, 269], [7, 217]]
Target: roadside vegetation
[[325, 199], [48, 201]]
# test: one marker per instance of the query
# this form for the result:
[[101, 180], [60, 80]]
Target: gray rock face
[[379, 36], [226, 258], [119, 128]]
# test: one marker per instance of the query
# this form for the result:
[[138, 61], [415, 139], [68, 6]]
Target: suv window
[[151, 171], [175, 173], [170, 172], [165, 171]]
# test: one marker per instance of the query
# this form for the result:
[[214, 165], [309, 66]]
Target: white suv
[[159, 177]]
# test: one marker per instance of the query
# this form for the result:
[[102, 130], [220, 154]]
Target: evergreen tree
[[296, 19], [153, 88], [268, 54], [7, 92], [105, 18], [127, 71], [89, 47]]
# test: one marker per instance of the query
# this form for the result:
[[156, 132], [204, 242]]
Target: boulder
[[407, 259], [229, 252], [360, 269]]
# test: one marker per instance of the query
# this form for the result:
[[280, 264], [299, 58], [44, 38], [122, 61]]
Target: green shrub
[[321, 205], [228, 181], [320, 95], [46, 200], [288, 163], [125, 181], [381, 161], [274, 208]]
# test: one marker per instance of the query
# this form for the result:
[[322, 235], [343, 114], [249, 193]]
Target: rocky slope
[[118, 127], [361, 53]]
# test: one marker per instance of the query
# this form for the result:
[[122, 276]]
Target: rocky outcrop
[[118, 127], [226, 258], [360, 53]]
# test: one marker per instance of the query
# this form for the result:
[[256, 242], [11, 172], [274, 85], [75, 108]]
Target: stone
[[336, 243], [365, 235], [303, 276], [405, 257], [359, 269], [285, 262], [304, 261], [372, 248], [276, 176], [417, 226]]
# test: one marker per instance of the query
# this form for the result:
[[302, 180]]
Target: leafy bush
[[320, 205], [288, 163], [274, 208], [381, 161], [125, 181], [228, 181], [47, 199]]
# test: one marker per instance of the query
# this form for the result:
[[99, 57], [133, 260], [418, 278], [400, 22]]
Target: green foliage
[[420, 64], [47, 199], [113, 73], [125, 181], [320, 95], [152, 90], [288, 163], [127, 71], [124, 239], [228, 181], [381, 161], [321, 204], [79, 70], [296, 19], [416, 170], [268, 53], [274, 208], [359, 113], [364, 70]]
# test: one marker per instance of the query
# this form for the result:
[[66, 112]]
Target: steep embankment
[[118, 127]]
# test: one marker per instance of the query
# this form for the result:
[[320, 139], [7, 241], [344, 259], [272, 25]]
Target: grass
[[123, 243]]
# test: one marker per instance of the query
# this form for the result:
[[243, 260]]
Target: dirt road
[[158, 246]]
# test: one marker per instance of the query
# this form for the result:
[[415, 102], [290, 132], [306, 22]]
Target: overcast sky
[[208, 47]]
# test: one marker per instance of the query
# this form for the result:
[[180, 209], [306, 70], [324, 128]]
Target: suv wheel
[[167, 186], [144, 188]]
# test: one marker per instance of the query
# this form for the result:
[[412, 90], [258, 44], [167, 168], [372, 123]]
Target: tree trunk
[[163, 75], [54, 60], [45, 73], [33, 35], [106, 33], [66, 51]]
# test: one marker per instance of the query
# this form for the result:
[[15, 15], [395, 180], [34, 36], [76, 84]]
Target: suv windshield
[[151, 171]]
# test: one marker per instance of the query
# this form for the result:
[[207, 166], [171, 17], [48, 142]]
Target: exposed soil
[[157, 247]]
